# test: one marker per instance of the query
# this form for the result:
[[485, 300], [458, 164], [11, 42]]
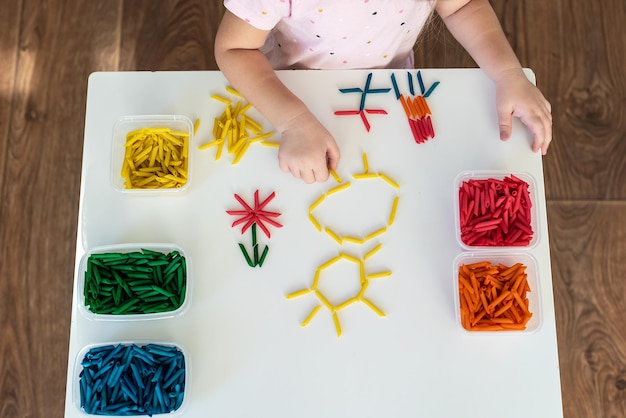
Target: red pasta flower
[[256, 214]]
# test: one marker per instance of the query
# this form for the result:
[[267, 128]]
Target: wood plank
[[571, 47], [169, 35], [60, 43], [588, 245], [9, 32]]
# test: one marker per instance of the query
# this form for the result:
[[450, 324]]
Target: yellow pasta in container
[[150, 154]]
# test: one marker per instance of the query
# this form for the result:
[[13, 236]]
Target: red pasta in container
[[496, 209]]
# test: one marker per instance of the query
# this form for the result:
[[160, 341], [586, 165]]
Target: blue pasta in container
[[132, 379]]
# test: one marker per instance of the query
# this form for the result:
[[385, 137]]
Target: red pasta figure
[[250, 217]]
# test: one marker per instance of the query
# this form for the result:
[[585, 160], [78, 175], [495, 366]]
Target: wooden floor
[[48, 49]]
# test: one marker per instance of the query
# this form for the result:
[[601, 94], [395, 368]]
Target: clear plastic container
[[131, 123], [78, 368], [509, 259], [127, 248], [498, 175]]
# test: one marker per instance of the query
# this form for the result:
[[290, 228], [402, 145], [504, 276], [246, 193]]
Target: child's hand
[[516, 96], [307, 149]]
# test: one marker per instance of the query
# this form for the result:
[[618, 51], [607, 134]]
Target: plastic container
[[509, 259], [126, 248], [78, 368], [498, 175], [131, 123]]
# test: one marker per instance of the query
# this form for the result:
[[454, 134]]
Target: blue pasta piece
[[421, 82]]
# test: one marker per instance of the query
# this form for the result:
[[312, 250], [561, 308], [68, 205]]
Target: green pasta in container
[[134, 281]]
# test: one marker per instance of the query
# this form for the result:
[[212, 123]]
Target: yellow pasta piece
[[349, 258], [376, 233], [218, 153], [373, 307], [231, 90], [146, 181], [310, 316], [153, 155], [338, 188], [316, 203], [245, 108], [354, 240], [366, 166], [346, 303], [335, 176], [337, 324], [236, 110], [196, 125], [298, 293], [362, 272], [241, 152], [210, 144], [378, 275], [365, 176], [221, 99], [254, 126], [334, 236], [372, 251], [315, 223], [238, 145], [144, 153], [176, 134], [324, 301], [392, 215], [270, 144], [262, 137], [389, 180], [316, 279], [330, 262], [226, 129], [364, 286]]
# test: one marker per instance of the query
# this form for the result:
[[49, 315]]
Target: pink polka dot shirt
[[336, 34]]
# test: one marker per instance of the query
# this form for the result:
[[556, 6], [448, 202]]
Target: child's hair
[[432, 26]]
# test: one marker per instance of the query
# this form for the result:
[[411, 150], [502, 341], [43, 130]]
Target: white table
[[249, 355]]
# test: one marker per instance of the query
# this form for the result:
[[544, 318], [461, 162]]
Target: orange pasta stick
[[425, 105], [465, 283], [405, 106], [421, 112], [513, 326], [520, 302], [503, 309], [518, 282], [511, 270], [470, 301], [483, 300], [499, 299], [487, 328], [481, 264], [502, 321]]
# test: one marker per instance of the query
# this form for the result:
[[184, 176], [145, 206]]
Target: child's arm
[[475, 25], [307, 149]]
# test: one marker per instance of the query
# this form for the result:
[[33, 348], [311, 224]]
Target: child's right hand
[[307, 150]]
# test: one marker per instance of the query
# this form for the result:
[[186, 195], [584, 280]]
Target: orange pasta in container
[[496, 295]]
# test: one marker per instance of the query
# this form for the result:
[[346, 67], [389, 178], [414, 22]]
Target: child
[[256, 37]]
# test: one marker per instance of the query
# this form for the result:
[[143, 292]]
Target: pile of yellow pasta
[[235, 129], [155, 158]]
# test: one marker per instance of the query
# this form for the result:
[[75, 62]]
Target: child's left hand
[[516, 96]]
